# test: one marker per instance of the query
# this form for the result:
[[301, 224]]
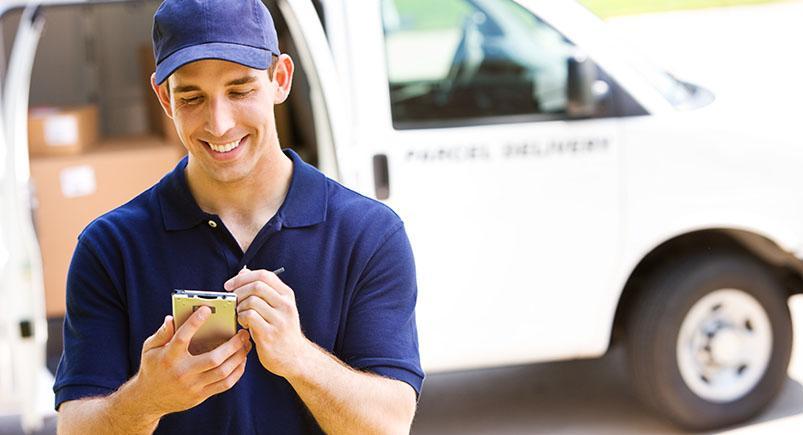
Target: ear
[[283, 77], [162, 95]]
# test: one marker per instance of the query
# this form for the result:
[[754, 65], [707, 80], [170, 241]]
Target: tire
[[729, 359]]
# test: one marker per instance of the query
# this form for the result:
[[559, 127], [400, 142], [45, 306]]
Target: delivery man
[[331, 346]]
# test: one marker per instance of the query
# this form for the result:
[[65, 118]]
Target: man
[[330, 346]]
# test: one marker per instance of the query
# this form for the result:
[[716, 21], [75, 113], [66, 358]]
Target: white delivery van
[[561, 195]]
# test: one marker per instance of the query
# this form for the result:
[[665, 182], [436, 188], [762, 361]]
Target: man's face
[[223, 112]]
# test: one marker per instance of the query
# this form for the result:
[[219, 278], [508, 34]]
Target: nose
[[220, 118]]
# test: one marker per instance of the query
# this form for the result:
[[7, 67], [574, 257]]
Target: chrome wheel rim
[[724, 345]]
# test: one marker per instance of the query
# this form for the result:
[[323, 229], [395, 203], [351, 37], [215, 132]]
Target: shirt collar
[[304, 205]]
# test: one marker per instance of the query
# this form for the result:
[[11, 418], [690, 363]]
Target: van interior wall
[[294, 118], [88, 54]]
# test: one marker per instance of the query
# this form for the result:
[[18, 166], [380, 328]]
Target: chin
[[229, 175]]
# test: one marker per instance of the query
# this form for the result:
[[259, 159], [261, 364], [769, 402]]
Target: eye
[[191, 100], [241, 94]]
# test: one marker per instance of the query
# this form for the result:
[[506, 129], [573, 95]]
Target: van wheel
[[709, 340]]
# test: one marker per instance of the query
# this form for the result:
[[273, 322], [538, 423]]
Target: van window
[[472, 59]]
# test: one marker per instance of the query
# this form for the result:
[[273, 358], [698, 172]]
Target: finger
[[161, 336], [217, 356], [262, 291], [243, 277], [187, 330], [265, 276], [226, 383], [275, 282], [255, 324], [267, 312], [222, 371]]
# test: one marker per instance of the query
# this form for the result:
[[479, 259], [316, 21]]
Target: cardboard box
[[73, 190], [58, 131]]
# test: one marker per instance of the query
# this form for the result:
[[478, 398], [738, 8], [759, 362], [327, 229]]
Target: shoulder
[[137, 216], [358, 214]]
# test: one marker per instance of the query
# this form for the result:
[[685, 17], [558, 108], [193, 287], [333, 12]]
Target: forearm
[[121, 412], [344, 400]]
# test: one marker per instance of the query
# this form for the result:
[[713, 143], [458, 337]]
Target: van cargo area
[[98, 135]]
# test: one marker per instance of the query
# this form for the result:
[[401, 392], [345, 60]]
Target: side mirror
[[584, 89]]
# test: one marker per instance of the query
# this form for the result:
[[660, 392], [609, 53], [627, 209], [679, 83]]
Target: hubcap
[[724, 345]]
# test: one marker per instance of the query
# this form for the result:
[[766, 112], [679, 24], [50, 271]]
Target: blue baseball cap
[[240, 31]]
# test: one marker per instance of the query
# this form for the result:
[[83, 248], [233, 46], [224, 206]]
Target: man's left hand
[[267, 308]]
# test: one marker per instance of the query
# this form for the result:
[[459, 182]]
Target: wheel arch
[[784, 265]]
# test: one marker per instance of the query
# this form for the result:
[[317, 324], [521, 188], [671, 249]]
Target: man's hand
[[267, 308], [173, 380]]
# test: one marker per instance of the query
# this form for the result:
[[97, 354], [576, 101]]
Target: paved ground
[[748, 52]]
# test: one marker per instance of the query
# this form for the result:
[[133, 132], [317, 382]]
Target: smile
[[226, 147]]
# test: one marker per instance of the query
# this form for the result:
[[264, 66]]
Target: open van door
[[24, 379], [330, 108]]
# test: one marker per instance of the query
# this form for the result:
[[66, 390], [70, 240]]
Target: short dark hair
[[272, 65]]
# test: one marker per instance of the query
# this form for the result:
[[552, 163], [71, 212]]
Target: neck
[[251, 200]]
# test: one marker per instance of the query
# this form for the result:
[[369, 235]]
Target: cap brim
[[244, 55]]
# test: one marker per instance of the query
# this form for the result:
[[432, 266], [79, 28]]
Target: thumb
[[243, 270], [162, 335]]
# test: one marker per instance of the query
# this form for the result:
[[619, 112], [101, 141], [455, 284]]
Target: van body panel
[[499, 216]]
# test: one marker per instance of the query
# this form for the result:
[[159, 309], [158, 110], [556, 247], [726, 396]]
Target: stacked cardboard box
[[59, 131], [73, 190]]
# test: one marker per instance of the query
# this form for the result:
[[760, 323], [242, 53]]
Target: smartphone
[[218, 328]]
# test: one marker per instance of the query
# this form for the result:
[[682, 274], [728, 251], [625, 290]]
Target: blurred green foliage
[[612, 8], [431, 14]]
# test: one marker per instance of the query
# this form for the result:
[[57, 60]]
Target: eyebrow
[[240, 81]]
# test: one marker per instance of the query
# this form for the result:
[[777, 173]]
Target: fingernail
[[227, 286]]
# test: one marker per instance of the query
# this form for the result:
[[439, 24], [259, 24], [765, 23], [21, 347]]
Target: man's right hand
[[170, 379]]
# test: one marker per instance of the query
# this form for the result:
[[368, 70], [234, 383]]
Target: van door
[[24, 323], [511, 203], [331, 111]]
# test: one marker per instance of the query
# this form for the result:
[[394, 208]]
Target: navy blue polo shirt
[[346, 256]]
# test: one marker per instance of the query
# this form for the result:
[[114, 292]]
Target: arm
[[344, 400], [170, 379], [381, 339], [118, 413], [331, 390]]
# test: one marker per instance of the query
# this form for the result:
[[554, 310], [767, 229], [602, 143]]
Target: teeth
[[224, 148]]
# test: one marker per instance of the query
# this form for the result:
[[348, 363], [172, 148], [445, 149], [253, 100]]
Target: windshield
[[678, 93]]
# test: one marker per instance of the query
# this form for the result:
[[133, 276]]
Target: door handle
[[381, 176]]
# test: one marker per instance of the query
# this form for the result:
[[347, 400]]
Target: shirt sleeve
[[95, 359], [381, 334]]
